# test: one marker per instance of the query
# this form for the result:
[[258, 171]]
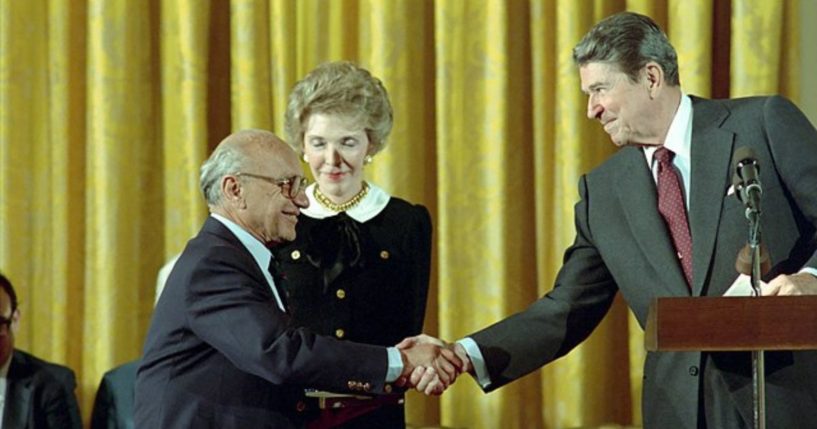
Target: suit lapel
[[18, 394], [214, 226], [711, 153], [636, 191]]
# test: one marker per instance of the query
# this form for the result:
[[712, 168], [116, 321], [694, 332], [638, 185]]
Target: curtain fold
[[250, 52], [24, 59], [123, 213], [184, 62], [66, 179], [107, 110], [759, 65], [690, 28], [283, 59], [399, 52]]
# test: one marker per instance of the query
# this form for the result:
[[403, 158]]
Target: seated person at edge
[[221, 351], [33, 393], [359, 267]]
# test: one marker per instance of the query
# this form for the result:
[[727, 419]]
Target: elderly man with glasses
[[221, 351]]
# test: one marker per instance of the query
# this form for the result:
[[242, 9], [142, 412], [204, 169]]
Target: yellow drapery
[[107, 108]]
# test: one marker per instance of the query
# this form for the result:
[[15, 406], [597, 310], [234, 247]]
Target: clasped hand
[[430, 365]]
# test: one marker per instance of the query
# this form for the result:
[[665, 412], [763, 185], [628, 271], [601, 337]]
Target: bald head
[[237, 152], [249, 180]]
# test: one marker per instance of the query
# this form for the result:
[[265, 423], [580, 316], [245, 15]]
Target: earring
[[367, 160], [305, 159]]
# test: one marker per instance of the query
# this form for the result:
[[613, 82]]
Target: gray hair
[[228, 158], [629, 41]]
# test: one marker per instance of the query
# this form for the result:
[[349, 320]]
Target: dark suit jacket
[[622, 244], [113, 406], [219, 353], [40, 395]]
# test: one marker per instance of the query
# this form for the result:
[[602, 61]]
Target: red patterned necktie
[[672, 208]]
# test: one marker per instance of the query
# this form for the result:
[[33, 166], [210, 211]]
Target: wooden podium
[[753, 324], [732, 324]]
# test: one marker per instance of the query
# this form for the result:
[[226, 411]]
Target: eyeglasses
[[290, 186]]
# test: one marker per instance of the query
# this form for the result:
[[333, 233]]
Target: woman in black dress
[[359, 267]]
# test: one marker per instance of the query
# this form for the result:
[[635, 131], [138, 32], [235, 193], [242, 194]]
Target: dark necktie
[[672, 208], [279, 279]]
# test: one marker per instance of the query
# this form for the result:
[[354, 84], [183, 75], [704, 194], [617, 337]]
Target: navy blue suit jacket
[[220, 353]]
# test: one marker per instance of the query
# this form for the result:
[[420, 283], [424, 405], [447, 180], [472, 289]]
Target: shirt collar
[[679, 135], [257, 249], [370, 206]]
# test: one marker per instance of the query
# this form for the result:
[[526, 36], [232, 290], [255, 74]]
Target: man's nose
[[594, 109], [300, 199]]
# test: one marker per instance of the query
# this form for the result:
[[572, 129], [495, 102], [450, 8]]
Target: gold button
[[367, 387], [339, 333], [340, 293], [296, 254], [387, 388], [350, 385], [384, 254]]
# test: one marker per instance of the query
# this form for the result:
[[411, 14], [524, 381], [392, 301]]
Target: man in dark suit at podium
[[220, 351], [658, 219]]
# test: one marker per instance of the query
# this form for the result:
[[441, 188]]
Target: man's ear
[[654, 76], [233, 191]]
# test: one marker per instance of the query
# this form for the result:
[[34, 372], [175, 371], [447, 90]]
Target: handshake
[[430, 365]]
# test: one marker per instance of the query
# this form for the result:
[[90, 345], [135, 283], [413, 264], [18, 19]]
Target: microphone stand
[[758, 358], [746, 181]]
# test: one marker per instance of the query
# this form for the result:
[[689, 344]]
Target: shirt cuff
[[395, 364], [477, 361], [809, 270]]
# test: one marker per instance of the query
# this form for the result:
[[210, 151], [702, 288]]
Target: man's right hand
[[430, 365]]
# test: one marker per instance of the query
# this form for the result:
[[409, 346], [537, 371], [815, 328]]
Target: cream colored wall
[[808, 58]]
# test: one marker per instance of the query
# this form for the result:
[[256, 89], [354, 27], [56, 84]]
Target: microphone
[[746, 179]]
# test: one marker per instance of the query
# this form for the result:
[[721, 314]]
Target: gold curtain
[[107, 108]]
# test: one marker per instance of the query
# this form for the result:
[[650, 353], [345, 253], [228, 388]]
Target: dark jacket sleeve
[[59, 402], [792, 141], [421, 262], [229, 306], [104, 414]]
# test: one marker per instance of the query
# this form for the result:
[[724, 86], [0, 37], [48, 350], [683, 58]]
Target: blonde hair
[[340, 88]]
